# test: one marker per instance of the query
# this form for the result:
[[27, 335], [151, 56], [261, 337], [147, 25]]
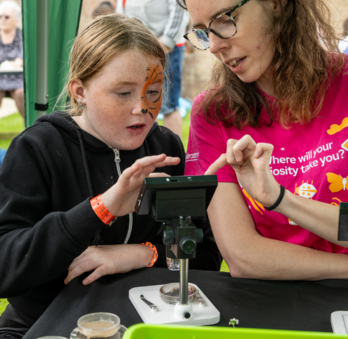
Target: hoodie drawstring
[[96, 238]]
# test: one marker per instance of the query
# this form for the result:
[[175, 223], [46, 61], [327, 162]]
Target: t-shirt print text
[[192, 157]]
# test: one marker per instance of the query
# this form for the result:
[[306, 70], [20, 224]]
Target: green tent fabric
[[63, 22]]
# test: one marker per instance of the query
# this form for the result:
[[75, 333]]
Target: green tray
[[144, 331]]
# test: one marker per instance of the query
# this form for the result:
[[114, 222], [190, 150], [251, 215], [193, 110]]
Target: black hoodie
[[48, 176]]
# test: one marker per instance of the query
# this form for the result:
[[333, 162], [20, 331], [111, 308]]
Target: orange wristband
[[101, 211], [155, 253]]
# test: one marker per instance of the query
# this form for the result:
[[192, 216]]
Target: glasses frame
[[209, 29]]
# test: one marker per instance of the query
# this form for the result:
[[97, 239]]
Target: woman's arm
[[250, 255], [315, 216], [251, 164]]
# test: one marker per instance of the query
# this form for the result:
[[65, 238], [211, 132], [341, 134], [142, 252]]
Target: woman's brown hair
[[102, 39], [306, 50], [345, 28]]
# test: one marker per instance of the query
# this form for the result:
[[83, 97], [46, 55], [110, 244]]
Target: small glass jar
[[173, 264], [170, 293], [98, 325]]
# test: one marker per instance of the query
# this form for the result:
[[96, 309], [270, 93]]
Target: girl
[[61, 183], [277, 113]]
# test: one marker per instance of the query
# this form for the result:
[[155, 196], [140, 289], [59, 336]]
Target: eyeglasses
[[6, 17], [222, 26]]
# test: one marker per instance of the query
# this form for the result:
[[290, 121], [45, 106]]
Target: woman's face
[[123, 100], [252, 44], [8, 20]]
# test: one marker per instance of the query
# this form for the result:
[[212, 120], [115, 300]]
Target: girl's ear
[[77, 90]]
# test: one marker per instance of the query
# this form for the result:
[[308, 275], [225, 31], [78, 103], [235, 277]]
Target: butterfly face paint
[[152, 99]]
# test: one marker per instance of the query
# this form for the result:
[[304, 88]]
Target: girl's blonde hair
[[102, 39]]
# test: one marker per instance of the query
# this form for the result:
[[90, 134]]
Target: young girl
[[277, 112], [61, 183]]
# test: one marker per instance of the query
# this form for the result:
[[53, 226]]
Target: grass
[[14, 123], [3, 304]]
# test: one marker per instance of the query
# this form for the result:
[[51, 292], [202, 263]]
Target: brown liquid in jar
[[90, 329]]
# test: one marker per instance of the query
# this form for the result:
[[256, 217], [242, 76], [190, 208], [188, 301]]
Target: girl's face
[[252, 45], [123, 100]]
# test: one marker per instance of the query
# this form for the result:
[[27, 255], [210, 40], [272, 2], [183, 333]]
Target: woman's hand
[[109, 259], [251, 164], [120, 199]]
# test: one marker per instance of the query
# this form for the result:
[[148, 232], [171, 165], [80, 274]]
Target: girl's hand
[[109, 259], [120, 199], [251, 164]]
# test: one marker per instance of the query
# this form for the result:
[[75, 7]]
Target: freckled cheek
[[105, 107]]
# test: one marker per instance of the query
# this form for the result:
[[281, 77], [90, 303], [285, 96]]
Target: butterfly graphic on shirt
[[337, 182], [338, 128], [305, 190]]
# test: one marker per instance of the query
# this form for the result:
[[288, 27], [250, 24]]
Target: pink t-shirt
[[309, 160]]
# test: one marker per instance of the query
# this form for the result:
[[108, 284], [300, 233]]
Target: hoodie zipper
[[118, 168]]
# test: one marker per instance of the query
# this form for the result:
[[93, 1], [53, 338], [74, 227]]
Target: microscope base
[[200, 315], [339, 322]]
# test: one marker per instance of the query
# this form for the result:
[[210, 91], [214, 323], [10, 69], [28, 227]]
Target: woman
[[61, 183], [11, 52], [276, 112]]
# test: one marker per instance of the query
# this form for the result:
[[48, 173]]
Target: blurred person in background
[[103, 9], [343, 45], [2, 155], [11, 53], [168, 22]]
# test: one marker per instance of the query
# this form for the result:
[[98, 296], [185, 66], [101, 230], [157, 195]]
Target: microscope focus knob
[[188, 245], [168, 237], [199, 235]]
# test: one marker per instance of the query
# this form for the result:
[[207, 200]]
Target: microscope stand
[[201, 315]]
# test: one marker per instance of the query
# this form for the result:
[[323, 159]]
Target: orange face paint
[[153, 105]]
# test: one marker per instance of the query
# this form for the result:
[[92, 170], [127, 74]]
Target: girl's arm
[[250, 255], [109, 259]]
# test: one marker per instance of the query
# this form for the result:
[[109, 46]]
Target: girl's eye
[[123, 94], [152, 92]]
